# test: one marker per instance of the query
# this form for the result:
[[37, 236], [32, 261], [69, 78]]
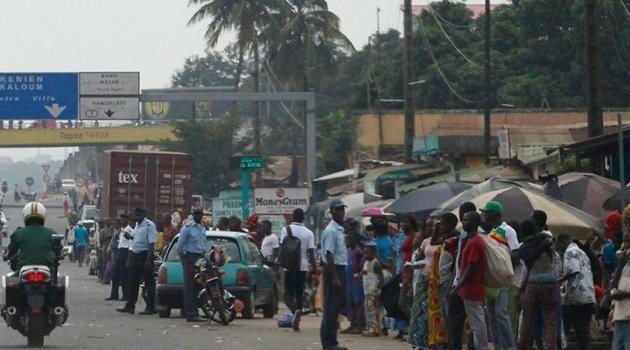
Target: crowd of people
[[431, 277], [424, 281]]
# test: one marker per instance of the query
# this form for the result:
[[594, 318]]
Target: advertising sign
[[280, 200], [227, 208]]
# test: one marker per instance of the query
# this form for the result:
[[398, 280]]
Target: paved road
[[94, 323]]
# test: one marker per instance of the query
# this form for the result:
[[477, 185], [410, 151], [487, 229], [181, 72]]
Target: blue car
[[246, 277]]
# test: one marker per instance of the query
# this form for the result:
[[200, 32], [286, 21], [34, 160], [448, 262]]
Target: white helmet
[[34, 210]]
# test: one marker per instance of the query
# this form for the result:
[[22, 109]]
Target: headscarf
[[612, 224]]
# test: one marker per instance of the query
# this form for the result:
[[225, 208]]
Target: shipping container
[[159, 182]]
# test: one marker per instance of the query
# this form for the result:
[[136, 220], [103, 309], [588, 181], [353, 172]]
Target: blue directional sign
[[36, 96]]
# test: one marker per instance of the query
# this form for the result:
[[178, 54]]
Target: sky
[[149, 36]]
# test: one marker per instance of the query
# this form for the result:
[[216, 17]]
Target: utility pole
[[379, 103], [488, 95], [410, 127], [594, 81], [257, 131]]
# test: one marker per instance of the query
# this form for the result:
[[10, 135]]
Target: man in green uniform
[[33, 242]]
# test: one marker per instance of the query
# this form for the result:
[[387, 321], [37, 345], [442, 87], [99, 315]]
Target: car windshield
[[229, 244]]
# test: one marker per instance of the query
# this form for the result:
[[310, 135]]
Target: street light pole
[[410, 127]]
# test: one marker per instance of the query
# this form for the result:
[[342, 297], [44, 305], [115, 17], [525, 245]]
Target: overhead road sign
[[25, 96], [109, 108], [109, 83]]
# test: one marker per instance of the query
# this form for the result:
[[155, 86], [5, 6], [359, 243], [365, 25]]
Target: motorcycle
[[215, 302], [35, 298]]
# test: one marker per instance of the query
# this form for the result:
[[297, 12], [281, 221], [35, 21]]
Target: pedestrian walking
[[500, 324], [80, 242], [270, 246], [355, 294], [116, 266], [294, 280], [578, 299], [191, 247], [540, 291], [372, 283], [105, 234], [334, 260], [124, 243], [140, 264], [450, 275], [471, 285], [621, 298]]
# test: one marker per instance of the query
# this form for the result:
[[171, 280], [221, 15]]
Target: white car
[[68, 184]]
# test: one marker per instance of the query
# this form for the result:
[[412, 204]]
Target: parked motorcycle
[[36, 298], [215, 302]]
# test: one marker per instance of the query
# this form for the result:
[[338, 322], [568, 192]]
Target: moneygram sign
[[280, 200]]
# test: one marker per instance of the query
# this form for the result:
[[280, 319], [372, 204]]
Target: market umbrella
[[518, 203], [614, 202], [423, 201], [588, 192], [492, 184]]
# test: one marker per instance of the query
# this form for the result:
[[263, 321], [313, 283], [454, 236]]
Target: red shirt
[[407, 249], [474, 251]]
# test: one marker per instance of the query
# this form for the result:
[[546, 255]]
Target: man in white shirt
[[500, 323], [578, 300], [270, 246], [124, 244], [294, 280]]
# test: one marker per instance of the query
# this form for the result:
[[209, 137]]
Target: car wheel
[[166, 313], [250, 305], [269, 310]]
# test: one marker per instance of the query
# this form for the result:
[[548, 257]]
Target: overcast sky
[[149, 36]]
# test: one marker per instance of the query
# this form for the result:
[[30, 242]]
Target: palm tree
[[245, 17], [303, 38]]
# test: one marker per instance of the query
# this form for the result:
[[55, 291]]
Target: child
[[372, 282]]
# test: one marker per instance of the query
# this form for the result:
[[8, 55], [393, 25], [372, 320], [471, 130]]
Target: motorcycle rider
[[33, 241]]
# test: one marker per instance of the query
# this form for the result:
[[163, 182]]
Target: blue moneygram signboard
[[39, 96]]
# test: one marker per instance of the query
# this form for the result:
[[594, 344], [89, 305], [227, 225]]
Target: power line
[[437, 66], [460, 26], [475, 65]]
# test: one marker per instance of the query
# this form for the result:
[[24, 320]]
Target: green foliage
[[214, 69], [336, 140], [210, 143], [570, 164]]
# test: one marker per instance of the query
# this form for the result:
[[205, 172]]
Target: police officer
[[34, 240], [191, 247], [140, 263]]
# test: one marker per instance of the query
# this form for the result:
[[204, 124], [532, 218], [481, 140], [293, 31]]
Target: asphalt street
[[95, 324]]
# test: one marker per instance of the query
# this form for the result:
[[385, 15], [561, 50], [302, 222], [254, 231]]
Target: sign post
[[246, 164]]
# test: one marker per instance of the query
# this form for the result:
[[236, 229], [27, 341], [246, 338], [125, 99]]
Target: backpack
[[290, 252], [499, 271]]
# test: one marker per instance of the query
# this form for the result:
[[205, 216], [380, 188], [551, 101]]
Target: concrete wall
[[370, 134]]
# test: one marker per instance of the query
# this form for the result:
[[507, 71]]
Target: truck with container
[[159, 182]]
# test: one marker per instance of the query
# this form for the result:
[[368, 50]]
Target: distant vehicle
[[68, 184], [246, 277], [89, 212]]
